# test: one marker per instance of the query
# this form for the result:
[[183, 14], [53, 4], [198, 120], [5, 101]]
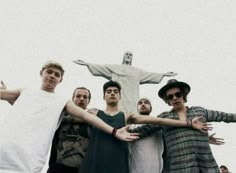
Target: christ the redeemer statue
[[129, 78]]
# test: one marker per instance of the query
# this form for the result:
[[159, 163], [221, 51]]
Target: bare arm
[[4, 87], [141, 119], [69, 119], [121, 134], [194, 123], [9, 95]]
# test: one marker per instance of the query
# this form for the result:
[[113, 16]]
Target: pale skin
[[112, 97], [51, 77]]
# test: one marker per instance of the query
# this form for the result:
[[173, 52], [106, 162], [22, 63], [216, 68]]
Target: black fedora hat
[[171, 84]]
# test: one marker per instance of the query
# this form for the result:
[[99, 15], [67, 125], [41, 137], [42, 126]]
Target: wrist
[[113, 133], [189, 123]]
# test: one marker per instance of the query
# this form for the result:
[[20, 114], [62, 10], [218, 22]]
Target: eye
[[108, 91], [57, 74], [49, 71]]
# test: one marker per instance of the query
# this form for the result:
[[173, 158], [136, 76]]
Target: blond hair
[[53, 64]]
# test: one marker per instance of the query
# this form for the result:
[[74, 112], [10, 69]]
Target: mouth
[[51, 81], [143, 108], [175, 103]]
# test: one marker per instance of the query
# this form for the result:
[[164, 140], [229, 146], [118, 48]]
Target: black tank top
[[106, 154]]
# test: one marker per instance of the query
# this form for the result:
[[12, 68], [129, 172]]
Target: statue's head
[[127, 59]]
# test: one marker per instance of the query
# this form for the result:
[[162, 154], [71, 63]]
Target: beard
[[144, 112]]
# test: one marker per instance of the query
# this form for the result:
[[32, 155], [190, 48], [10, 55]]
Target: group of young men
[[97, 141]]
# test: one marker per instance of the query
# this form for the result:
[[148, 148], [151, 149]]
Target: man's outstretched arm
[[4, 87], [121, 133], [194, 123], [9, 95]]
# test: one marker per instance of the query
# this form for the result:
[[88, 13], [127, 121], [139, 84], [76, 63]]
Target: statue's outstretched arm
[[169, 74], [80, 62]]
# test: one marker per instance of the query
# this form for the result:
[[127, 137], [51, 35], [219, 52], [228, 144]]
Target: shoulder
[[93, 111], [127, 114], [164, 114], [197, 108]]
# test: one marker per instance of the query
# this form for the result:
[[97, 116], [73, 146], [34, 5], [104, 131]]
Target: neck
[[47, 89], [111, 110], [181, 109]]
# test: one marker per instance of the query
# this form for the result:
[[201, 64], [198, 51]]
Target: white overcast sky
[[196, 39]]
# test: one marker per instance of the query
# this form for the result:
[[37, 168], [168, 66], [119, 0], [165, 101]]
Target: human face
[[81, 98], [112, 95], [127, 58], [144, 107], [51, 77], [175, 98], [223, 170]]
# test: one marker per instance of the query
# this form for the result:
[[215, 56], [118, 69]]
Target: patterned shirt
[[188, 149], [70, 143]]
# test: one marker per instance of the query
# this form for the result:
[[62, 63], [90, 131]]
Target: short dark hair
[[82, 88], [111, 84], [224, 167]]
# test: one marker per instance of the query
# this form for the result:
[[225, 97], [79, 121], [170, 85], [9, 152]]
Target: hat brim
[[186, 88]]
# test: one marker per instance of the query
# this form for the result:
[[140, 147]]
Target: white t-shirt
[[27, 131], [146, 154]]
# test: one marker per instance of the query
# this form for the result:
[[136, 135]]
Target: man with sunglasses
[[146, 153], [188, 150]]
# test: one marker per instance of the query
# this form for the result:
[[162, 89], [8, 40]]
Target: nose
[[112, 93], [175, 97], [52, 75], [81, 98]]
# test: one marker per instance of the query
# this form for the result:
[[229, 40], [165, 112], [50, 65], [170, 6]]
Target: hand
[[3, 85], [215, 141], [123, 135], [169, 74], [203, 127], [80, 62]]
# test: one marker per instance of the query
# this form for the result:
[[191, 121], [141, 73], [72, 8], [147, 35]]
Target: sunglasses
[[177, 95]]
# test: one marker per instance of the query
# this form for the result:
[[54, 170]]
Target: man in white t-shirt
[[28, 129], [146, 153]]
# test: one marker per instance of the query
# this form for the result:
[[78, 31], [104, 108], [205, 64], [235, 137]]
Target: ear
[[41, 72], [61, 79]]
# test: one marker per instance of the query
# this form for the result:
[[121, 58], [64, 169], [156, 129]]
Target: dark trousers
[[60, 168]]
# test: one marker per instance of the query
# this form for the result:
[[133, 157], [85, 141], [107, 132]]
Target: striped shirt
[[188, 149]]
